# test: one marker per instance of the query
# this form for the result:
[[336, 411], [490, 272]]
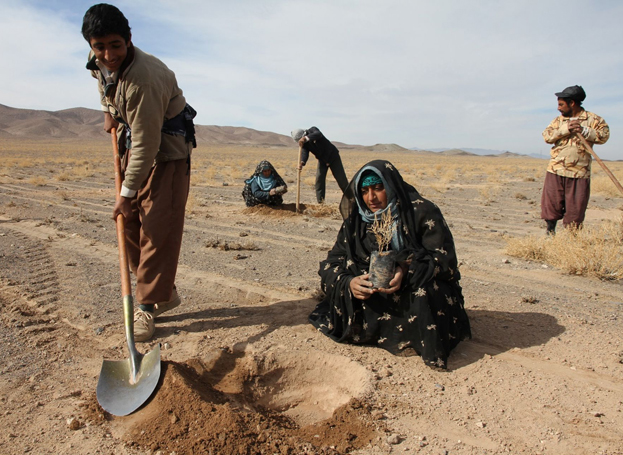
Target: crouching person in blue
[[265, 186]]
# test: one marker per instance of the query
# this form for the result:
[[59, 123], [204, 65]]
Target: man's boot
[[551, 227]]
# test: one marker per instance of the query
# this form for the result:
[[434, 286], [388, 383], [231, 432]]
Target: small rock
[[394, 439], [73, 424], [506, 261], [598, 414], [225, 184], [481, 424], [99, 330], [173, 418], [378, 414], [439, 386], [166, 346]]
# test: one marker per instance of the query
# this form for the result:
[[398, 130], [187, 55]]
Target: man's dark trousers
[[337, 169]]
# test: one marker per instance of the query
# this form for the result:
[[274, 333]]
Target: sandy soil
[[243, 372]]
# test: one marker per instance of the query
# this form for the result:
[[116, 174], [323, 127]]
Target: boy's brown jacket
[[143, 97]]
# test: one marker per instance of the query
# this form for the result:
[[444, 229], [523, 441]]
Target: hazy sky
[[471, 74]]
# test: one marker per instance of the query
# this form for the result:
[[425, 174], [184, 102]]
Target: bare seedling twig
[[383, 230]]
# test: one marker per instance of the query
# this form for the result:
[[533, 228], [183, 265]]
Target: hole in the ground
[[307, 387], [245, 402]]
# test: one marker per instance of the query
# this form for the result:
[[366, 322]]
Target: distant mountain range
[[83, 123], [474, 151]]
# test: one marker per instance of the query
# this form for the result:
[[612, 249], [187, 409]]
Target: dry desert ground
[[243, 371]]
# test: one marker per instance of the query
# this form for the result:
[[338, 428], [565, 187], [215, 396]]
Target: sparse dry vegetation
[[595, 251], [323, 211], [537, 325], [224, 245], [37, 181]]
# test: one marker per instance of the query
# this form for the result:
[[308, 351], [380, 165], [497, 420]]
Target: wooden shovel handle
[[298, 180], [601, 163], [126, 287]]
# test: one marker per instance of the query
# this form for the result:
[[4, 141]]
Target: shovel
[[590, 150], [124, 385]]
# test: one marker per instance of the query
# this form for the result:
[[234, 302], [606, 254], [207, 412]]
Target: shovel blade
[[120, 391]]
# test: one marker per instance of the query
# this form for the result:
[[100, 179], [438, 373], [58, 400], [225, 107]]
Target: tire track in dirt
[[282, 239], [40, 285], [108, 254], [224, 231], [544, 367], [53, 202]]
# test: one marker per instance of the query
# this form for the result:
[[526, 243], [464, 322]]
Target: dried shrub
[[489, 193], [37, 181], [227, 246], [323, 211], [383, 230], [595, 251], [602, 184]]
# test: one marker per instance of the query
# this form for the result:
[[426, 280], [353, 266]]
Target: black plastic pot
[[382, 267]]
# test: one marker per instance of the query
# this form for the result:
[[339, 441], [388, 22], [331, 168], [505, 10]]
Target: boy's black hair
[[102, 20]]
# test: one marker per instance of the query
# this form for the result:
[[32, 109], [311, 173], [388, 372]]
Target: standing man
[[567, 181], [138, 92], [312, 140]]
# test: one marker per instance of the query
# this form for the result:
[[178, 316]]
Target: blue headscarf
[[369, 175], [265, 183]]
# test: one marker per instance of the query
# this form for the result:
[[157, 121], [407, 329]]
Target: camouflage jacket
[[568, 156]]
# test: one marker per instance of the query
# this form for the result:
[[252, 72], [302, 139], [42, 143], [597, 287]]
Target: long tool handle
[[601, 163], [298, 180], [126, 286]]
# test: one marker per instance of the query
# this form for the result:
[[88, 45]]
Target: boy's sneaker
[[174, 302], [144, 327]]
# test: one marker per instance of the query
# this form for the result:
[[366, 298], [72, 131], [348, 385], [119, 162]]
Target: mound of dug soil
[[238, 403]]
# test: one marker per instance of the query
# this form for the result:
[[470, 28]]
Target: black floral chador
[[426, 315]]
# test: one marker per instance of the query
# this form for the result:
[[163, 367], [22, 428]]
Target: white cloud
[[428, 74], [44, 57]]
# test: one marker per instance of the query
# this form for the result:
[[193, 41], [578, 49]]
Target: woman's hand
[[395, 283], [361, 287]]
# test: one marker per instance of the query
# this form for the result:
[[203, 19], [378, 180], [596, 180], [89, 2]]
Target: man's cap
[[297, 134], [575, 92]]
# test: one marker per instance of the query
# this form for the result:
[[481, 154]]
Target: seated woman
[[422, 310], [265, 186]]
